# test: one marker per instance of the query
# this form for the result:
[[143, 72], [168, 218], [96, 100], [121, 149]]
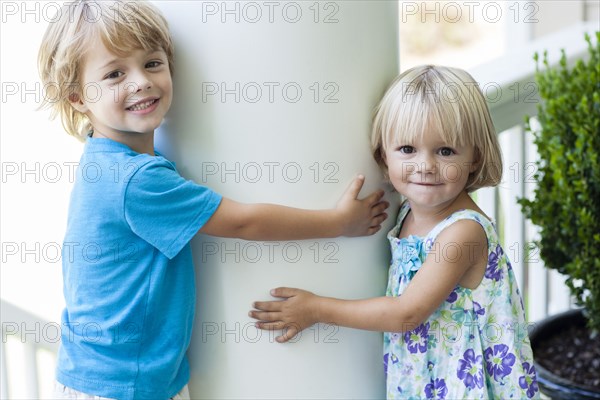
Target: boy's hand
[[296, 312], [361, 217], [351, 217]]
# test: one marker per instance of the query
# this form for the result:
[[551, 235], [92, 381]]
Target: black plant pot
[[550, 384]]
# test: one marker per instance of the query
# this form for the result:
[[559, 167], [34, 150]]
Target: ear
[[380, 155], [77, 103], [476, 161]]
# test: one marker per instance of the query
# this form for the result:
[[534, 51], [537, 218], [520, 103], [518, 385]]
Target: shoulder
[[463, 236], [155, 178], [462, 231], [117, 164], [146, 169], [465, 224]]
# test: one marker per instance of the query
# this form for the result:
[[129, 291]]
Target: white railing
[[510, 89], [512, 94], [27, 354]]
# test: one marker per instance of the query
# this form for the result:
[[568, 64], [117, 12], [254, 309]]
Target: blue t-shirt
[[128, 274]]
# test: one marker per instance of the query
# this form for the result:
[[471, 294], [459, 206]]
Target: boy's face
[[124, 95]]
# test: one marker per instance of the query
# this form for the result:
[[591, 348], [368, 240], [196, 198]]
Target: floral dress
[[475, 345]]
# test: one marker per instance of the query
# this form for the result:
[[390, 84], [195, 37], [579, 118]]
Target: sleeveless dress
[[475, 345]]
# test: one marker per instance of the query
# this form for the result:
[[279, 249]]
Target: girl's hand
[[296, 312], [361, 217]]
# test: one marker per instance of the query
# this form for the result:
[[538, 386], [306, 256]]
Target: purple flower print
[[493, 270], [386, 359], [436, 389], [470, 370], [416, 340], [498, 361], [428, 245], [477, 309], [453, 296], [406, 369], [430, 366], [529, 380], [408, 254]]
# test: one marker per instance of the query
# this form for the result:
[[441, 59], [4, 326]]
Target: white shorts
[[63, 392]]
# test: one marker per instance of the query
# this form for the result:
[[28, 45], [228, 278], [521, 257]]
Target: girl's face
[[429, 172], [124, 95]]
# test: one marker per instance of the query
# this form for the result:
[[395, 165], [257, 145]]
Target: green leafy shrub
[[567, 199]]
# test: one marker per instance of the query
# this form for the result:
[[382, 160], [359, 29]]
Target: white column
[[273, 103]]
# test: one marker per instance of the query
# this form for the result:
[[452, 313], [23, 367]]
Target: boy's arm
[[351, 217], [463, 249]]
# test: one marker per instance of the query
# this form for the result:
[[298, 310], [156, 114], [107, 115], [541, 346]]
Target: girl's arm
[[351, 217], [460, 255]]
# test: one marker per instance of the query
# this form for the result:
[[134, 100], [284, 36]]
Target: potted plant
[[566, 207]]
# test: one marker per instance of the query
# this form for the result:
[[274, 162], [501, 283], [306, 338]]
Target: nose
[[426, 164], [139, 81]]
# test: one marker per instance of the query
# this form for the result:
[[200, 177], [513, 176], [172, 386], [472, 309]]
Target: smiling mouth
[[142, 106]]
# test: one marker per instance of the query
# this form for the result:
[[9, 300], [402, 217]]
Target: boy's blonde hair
[[446, 100], [121, 25]]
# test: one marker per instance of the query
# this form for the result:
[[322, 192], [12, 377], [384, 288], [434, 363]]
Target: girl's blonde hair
[[121, 25], [446, 100]]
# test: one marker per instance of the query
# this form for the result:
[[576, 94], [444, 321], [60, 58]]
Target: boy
[[127, 265]]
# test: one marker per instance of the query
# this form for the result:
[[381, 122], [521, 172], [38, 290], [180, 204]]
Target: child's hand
[[361, 217], [293, 314]]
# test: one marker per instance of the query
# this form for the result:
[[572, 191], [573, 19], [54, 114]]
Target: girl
[[127, 266], [453, 318]]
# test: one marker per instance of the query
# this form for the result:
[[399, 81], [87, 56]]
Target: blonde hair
[[121, 25], [446, 100]]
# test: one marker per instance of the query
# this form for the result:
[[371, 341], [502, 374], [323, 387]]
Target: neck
[[427, 218], [142, 143]]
